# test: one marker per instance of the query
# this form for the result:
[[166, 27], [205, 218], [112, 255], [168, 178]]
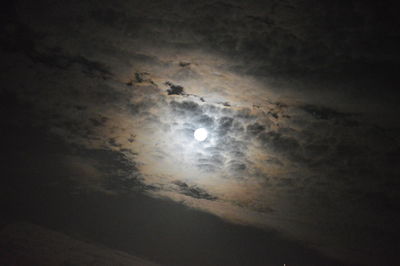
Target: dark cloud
[[100, 121], [186, 108], [58, 58], [113, 143], [174, 89], [141, 77], [184, 64], [255, 129], [120, 173], [236, 166], [204, 121], [207, 167], [224, 125], [131, 138], [279, 143], [245, 113], [141, 107], [226, 104], [193, 191], [320, 112]]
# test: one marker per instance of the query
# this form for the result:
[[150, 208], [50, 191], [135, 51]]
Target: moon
[[200, 134]]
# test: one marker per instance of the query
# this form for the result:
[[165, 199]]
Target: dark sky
[[100, 99]]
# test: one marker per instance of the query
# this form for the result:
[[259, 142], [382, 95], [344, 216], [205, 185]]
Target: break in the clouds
[[313, 170]]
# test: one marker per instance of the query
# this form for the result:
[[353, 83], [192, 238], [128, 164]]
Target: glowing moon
[[200, 134]]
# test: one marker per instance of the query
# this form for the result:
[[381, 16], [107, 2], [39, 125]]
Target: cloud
[[193, 191], [306, 160], [278, 143], [320, 112], [255, 129], [174, 89]]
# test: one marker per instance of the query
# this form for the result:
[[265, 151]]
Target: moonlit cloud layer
[[275, 157]]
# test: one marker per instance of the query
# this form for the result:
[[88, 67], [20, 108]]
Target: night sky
[[100, 101]]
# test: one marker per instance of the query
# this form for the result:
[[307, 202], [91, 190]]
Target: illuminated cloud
[[132, 92]]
